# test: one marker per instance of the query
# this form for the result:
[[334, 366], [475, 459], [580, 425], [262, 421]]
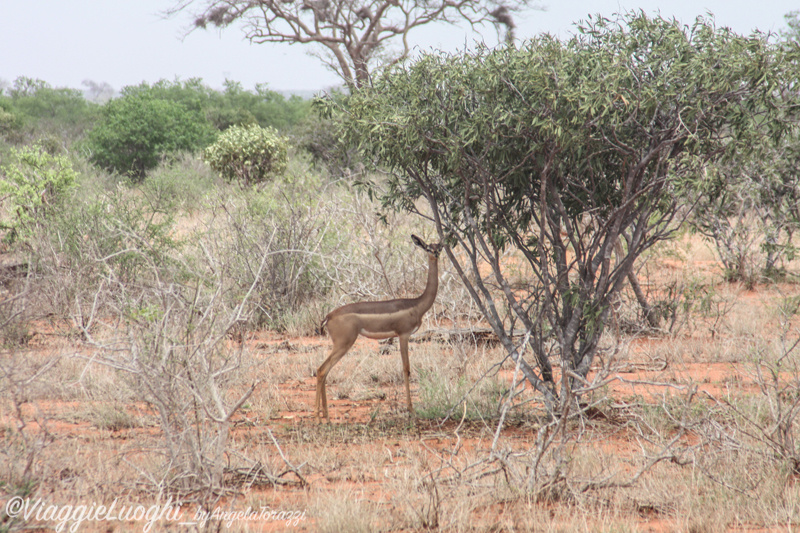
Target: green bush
[[136, 130], [183, 180], [234, 106], [39, 110], [248, 154], [129, 233], [10, 121], [36, 182], [441, 394], [237, 106]]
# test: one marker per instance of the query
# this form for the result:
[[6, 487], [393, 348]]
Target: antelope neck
[[432, 285]]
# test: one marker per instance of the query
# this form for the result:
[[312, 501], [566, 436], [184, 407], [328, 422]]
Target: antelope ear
[[419, 242]]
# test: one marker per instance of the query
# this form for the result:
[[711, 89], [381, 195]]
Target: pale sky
[[65, 42]]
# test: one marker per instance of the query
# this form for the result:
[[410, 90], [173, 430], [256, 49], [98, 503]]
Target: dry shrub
[[168, 301], [345, 511], [25, 434], [158, 307], [172, 349], [769, 423]]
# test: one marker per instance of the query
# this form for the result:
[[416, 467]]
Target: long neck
[[432, 285]]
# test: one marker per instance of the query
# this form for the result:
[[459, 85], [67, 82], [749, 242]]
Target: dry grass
[[379, 471], [678, 438]]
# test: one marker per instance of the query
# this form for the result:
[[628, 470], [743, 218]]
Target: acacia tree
[[355, 34], [557, 152]]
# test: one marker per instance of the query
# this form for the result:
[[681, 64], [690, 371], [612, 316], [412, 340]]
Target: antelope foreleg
[[406, 371]]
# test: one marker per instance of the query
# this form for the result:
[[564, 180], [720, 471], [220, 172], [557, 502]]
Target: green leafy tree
[[248, 154], [31, 186], [232, 106], [136, 130], [556, 153], [10, 120], [267, 108], [192, 94], [43, 111], [749, 207]]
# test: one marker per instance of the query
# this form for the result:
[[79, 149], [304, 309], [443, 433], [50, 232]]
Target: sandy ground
[[643, 458]]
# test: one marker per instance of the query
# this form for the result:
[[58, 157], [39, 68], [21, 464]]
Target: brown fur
[[378, 320]]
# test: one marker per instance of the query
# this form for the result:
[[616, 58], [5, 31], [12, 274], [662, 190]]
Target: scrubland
[[159, 347]]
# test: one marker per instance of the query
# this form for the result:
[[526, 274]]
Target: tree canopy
[[148, 121], [137, 129], [353, 35], [32, 108], [792, 33], [558, 151]]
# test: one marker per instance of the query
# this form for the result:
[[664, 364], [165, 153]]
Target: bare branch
[[355, 33]]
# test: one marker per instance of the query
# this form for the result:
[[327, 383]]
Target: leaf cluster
[[792, 19], [32, 109], [147, 122], [567, 153], [232, 106], [36, 182], [248, 154], [138, 128], [622, 104], [267, 108]]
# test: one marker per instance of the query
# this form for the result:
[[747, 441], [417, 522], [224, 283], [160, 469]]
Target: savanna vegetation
[[614, 345]]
